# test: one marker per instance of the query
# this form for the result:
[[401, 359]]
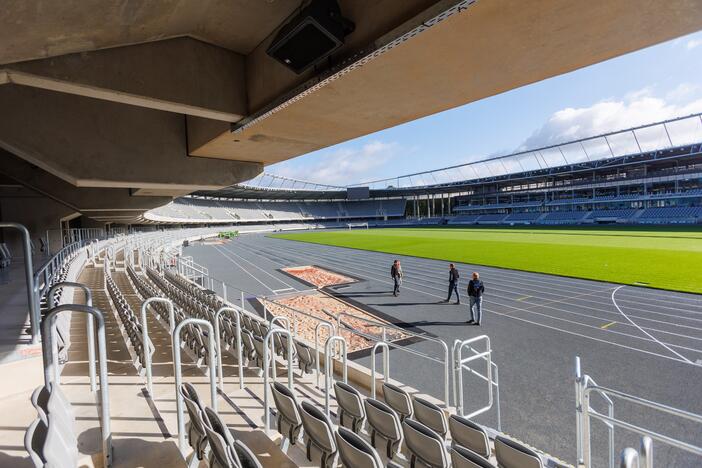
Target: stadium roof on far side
[[116, 107], [591, 152]]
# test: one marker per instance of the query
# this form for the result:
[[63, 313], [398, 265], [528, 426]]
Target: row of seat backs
[[51, 440], [426, 433], [206, 429]]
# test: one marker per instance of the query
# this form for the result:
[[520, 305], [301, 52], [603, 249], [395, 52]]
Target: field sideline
[[666, 258]]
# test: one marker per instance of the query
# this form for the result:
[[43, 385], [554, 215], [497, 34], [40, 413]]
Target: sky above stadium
[[654, 84]]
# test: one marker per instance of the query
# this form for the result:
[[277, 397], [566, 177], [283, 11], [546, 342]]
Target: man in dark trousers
[[475, 295], [453, 284], [396, 275]]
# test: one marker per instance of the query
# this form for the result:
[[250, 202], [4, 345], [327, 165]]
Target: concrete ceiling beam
[[183, 76], [94, 143]]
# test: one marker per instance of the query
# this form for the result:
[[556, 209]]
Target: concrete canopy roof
[[166, 97]]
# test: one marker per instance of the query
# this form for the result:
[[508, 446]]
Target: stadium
[[169, 296]]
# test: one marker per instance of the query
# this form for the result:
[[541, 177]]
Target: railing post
[[145, 335], [34, 314], [646, 453]]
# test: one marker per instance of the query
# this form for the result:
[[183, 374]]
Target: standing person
[[453, 284], [396, 275], [475, 294]]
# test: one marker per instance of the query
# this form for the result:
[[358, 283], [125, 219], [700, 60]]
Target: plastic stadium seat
[[222, 453], [197, 426], [430, 415], [466, 433], [350, 404], [306, 357], [384, 421], [246, 456], [462, 457], [34, 440], [398, 399], [512, 454], [289, 420], [424, 444], [355, 452], [319, 433]]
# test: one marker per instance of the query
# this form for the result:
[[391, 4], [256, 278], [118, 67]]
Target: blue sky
[[653, 84]]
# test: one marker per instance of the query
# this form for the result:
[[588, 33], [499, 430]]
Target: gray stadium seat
[[424, 445], [397, 399], [34, 440], [222, 453], [512, 454], [246, 456], [466, 433], [197, 426], [355, 452], [350, 404], [306, 357], [462, 457], [384, 421], [430, 415], [289, 420], [319, 433]]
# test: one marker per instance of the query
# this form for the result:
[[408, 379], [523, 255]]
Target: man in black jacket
[[475, 295], [396, 275], [453, 284]]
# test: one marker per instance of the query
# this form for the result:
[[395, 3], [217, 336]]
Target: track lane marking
[[644, 331], [350, 269], [333, 258], [607, 325]]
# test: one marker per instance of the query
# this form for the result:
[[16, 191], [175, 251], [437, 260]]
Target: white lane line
[[563, 299], [553, 279], [365, 272], [288, 285], [243, 269], [644, 331]]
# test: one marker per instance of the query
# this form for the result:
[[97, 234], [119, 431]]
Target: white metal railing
[[585, 387], [384, 327], [460, 363]]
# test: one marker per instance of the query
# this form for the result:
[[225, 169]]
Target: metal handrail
[[585, 386], [580, 383], [446, 362], [386, 364], [145, 334], [237, 315], [47, 328], [32, 301], [175, 337], [629, 458], [329, 367], [459, 365], [330, 332], [90, 326], [267, 343]]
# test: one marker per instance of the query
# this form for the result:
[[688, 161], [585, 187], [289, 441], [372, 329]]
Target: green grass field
[[667, 258]]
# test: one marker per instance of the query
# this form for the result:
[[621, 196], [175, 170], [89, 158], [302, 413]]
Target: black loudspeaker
[[310, 36]]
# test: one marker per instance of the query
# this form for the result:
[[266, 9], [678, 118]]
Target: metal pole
[[386, 371], [47, 325], [90, 326], [629, 458], [329, 367], [145, 335], [646, 453], [32, 301]]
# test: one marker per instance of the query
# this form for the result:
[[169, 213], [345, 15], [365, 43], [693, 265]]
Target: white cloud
[[637, 108], [693, 43], [345, 165]]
